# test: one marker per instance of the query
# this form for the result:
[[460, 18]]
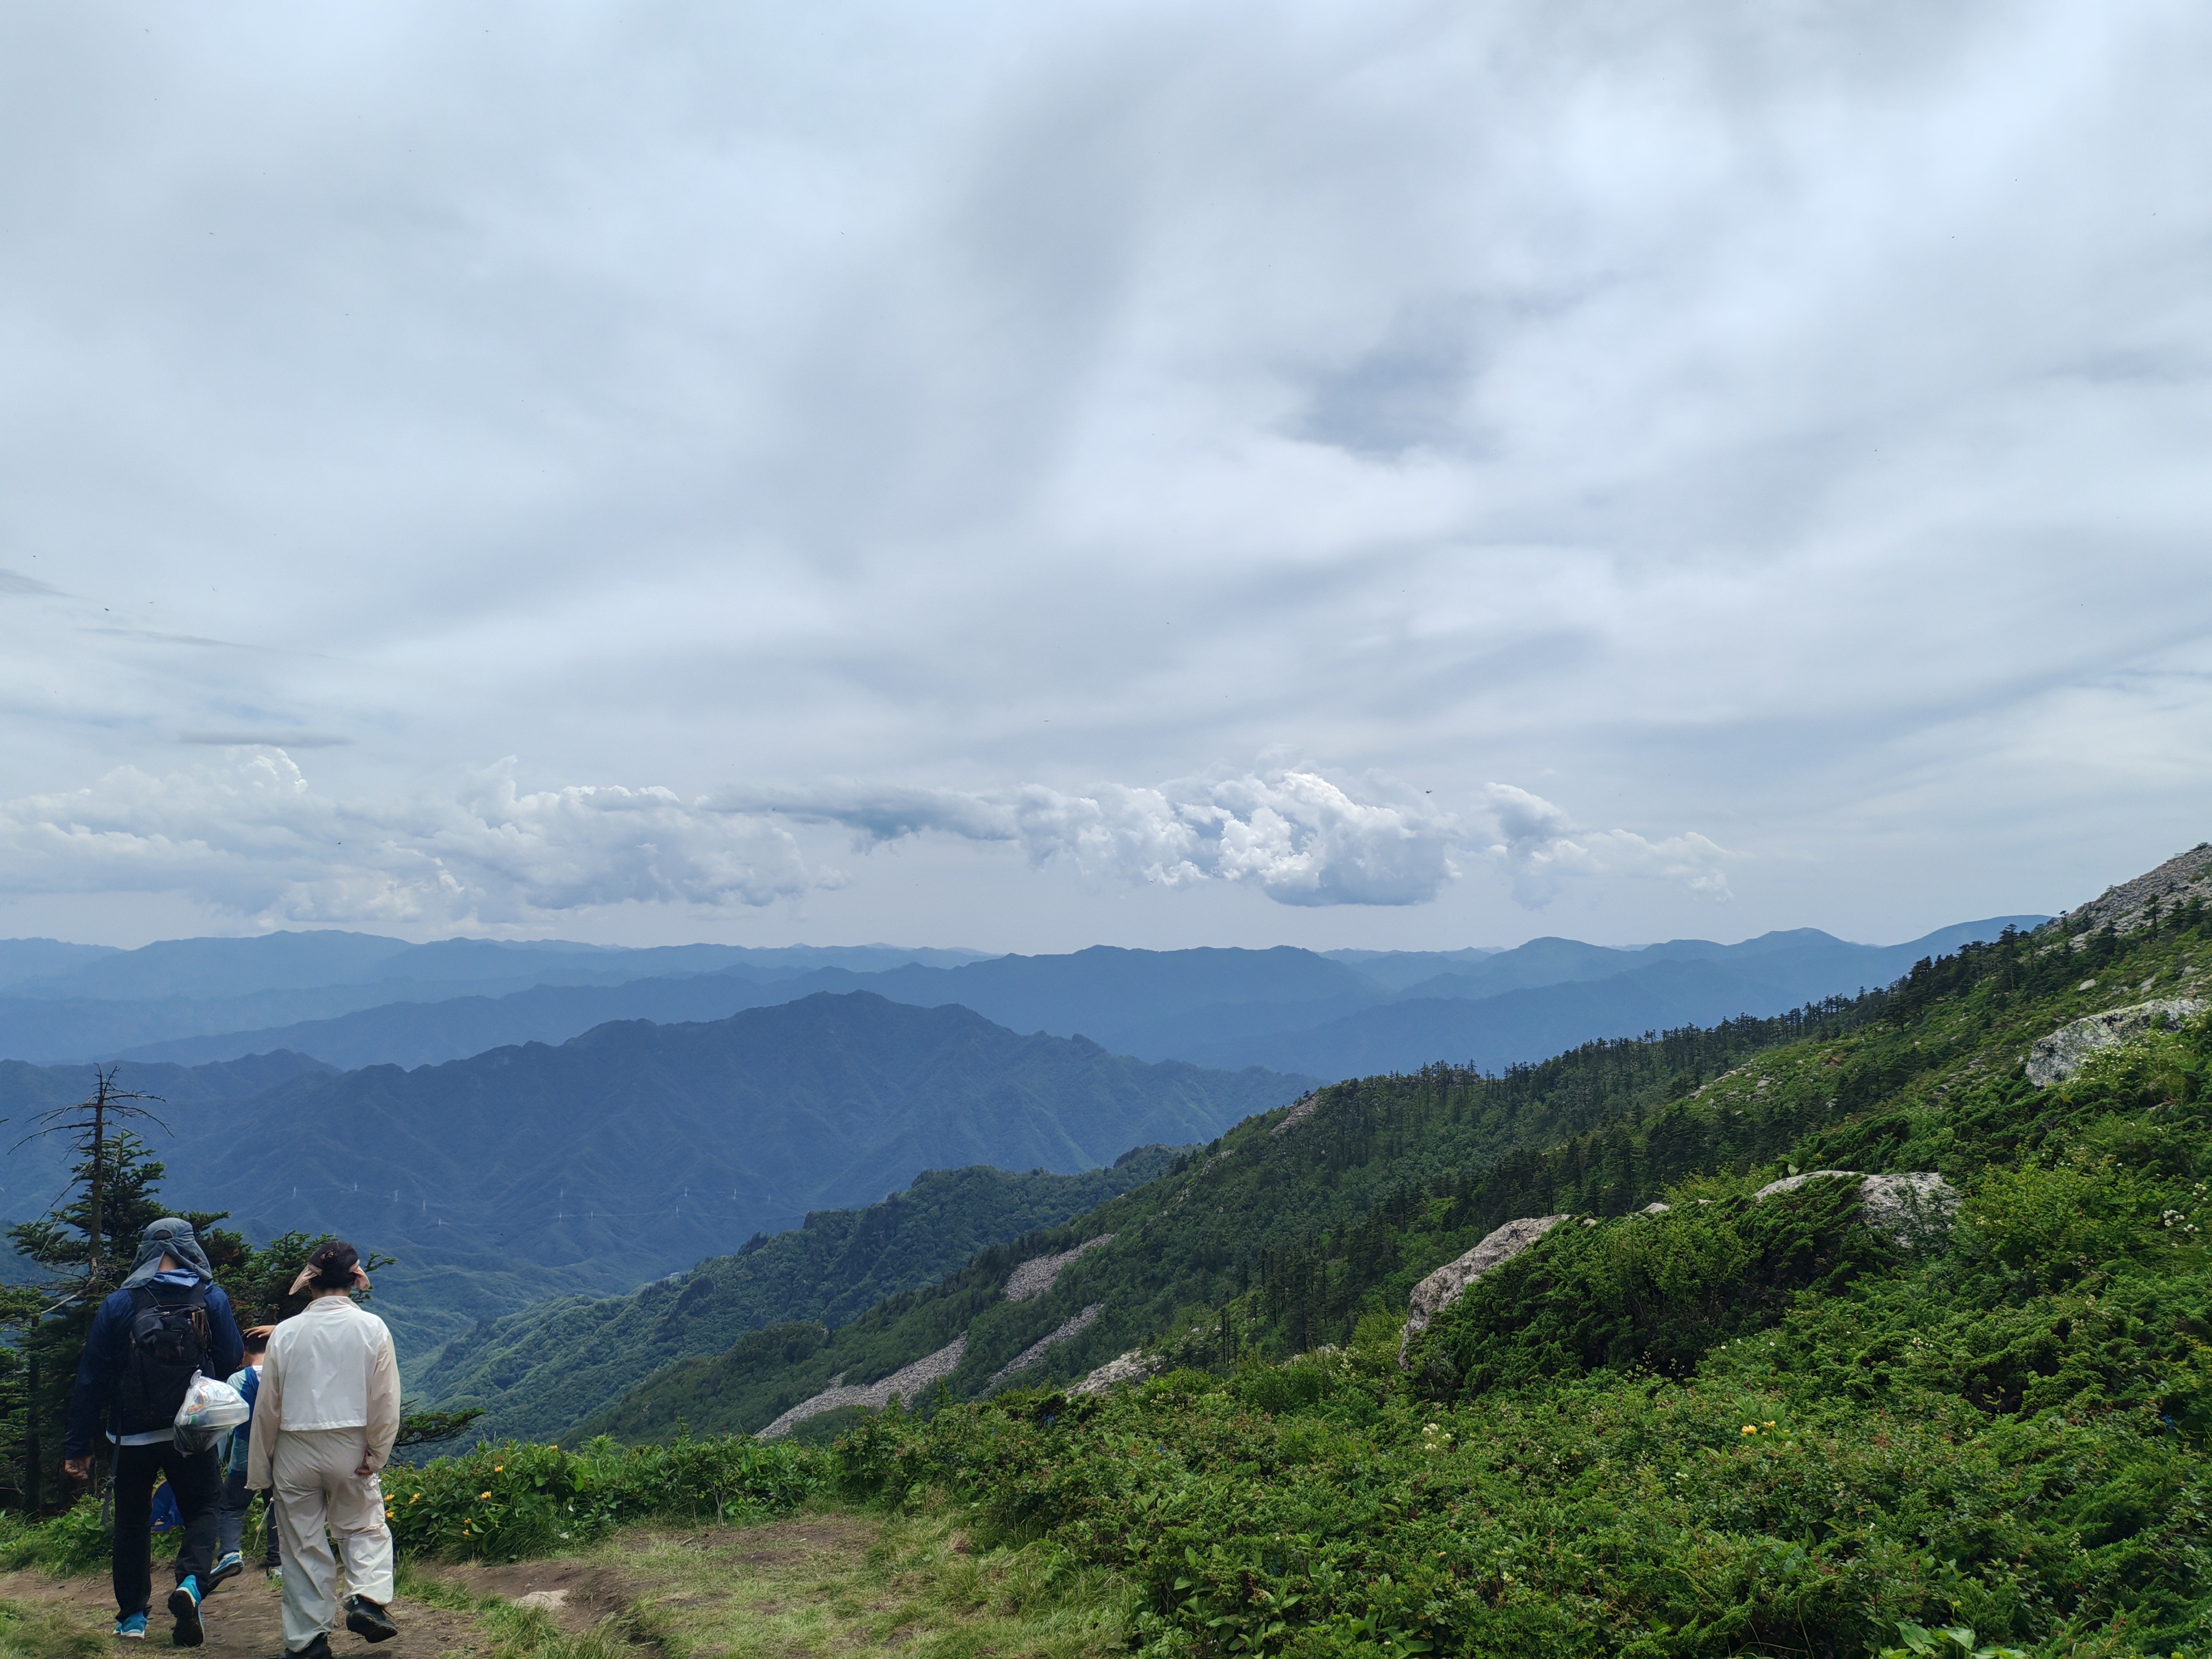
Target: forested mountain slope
[[637, 1150], [1280, 1238], [536, 1372], [1757, 1421]]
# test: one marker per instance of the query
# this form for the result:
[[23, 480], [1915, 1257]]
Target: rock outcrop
[[906, 1383], [1301, 1109], [1038, 1350], [2055, 1057], [1448, 1282], [2125, 908], [1914, 1208], [1036, 1276], [1791, 1184], [1133, 1366]]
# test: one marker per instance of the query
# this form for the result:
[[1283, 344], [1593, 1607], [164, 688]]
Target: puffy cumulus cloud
[[247, 832], [1297, 836], [1543, 848]]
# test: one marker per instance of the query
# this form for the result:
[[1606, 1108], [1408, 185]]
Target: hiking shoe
[[318, 1649], [366, 1619], [273, 1576], [184, 1608], [229, 1568], [131, 1627]]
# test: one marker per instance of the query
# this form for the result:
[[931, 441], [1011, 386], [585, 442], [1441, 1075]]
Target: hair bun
[[333, 1262]]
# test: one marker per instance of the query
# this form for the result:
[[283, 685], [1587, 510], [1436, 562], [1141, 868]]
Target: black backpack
[[168, 1341]]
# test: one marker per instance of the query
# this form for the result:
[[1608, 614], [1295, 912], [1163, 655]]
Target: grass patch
[[831, 1578], [33, 1632]]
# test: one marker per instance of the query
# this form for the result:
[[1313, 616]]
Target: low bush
[[74, 1542], [1656, 1291], [503, 1502]]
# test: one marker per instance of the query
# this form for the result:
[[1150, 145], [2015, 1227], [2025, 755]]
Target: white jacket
[[330, 1367]]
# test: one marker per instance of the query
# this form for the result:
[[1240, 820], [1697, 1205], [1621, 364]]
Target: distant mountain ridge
[[636, 1149], [1281, 1007], [62, 1003]]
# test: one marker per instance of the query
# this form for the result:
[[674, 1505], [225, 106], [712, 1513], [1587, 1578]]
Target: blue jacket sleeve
[[226, 1348], [96, 1372]]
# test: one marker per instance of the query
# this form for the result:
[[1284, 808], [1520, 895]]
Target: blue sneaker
[[229, 1567], [131, 1627], [184, 1607]]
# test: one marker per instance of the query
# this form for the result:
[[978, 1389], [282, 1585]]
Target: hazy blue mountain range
[[65, 1002], [31, 1172], [1690, 983], [637, 1148], [36, 958], [538, 1372], [1328, 1016]]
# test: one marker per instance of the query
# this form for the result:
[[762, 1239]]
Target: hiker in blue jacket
[[168, 1320], [237, 1496]]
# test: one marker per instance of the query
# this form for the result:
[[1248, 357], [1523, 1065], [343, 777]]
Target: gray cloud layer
[[250, 837], [1780, 427]]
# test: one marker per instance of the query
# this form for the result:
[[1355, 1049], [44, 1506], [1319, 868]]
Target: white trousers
[[317, 1487]]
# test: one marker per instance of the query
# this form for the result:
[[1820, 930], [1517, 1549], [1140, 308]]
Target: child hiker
[[237, 1496]]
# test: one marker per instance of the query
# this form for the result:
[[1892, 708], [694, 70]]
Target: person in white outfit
[[323, 1423]]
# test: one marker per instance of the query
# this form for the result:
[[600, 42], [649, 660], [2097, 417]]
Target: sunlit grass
[[831, 1580], [48, 1633]]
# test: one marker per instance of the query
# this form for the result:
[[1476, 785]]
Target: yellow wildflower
[[1751, 1428], [486, 1494]]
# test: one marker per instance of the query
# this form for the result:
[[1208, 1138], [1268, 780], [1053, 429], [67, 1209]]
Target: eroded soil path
[[242, 1619]]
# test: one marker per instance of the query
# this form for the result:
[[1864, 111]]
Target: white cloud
[[1543, 848], [249, 835], [1779, 413], [1298, 837]]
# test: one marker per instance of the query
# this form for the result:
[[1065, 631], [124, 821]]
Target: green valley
[[537, 1373]]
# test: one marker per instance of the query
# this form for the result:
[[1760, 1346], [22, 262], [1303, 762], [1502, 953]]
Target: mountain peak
[[2185, 876]]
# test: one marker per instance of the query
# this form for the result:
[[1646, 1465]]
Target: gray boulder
[[1914, 1209], [1791, 1184], [2055, 1057], [1448, 1282], [1133, 1366]]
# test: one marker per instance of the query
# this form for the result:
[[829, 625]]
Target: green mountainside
[[1367, 1190], [1752, 1422], [636, 1150], [536, 1372]]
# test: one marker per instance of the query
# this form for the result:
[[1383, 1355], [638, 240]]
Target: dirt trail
[[242, 1619]]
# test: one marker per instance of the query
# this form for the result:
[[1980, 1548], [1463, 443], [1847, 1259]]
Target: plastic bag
[[211, 1410]]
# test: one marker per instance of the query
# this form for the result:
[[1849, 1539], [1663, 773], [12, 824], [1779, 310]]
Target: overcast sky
[[1396, 474]]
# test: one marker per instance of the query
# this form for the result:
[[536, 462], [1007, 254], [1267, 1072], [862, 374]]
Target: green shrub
[[506, 1501], [75, 1541], [1651, 1290]]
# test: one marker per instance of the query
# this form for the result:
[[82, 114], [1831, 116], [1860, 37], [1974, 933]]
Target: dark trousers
[[196, 1479], [230, 1515]]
